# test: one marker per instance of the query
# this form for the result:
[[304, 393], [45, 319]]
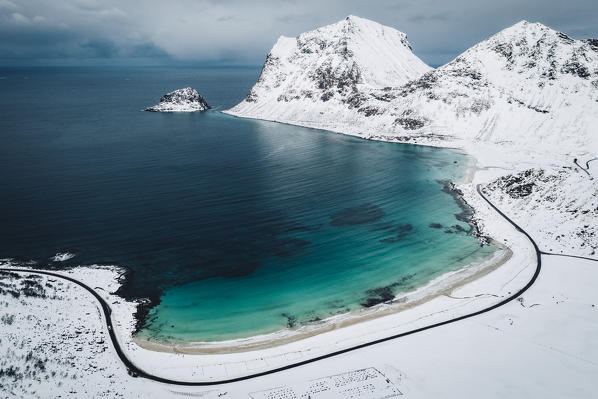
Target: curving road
[[136, 372], [587, 168], [568, 256]]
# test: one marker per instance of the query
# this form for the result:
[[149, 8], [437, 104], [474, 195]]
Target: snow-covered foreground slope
[[543, 345], [558, 205], [526, 86], [321, 74], [54, 344]]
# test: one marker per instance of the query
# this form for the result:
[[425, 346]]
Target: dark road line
[[587, 168], [137, 372], [568, 256]]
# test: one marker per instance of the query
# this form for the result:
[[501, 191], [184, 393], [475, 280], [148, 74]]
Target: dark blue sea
[[231, 227]]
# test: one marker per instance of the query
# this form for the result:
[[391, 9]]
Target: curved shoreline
[[401, 302], [137, 372]]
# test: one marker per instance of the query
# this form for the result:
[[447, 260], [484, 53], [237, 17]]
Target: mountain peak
[[533, 49], [334, 64], [353, 25], [359, 20], [530, 31], [528, 85], [369, 52], [527, 26]]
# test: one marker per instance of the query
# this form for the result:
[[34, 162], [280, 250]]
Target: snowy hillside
[[526, 98], [559, 206], [528, 86], [322, 74]]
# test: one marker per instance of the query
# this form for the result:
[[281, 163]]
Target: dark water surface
[[238, 226]]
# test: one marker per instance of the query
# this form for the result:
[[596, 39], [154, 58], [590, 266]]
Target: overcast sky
[[241, 32]]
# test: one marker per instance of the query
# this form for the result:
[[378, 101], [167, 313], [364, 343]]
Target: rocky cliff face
[[181, 100], [326, 72], [527, 86]]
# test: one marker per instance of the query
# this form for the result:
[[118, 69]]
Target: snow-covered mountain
[[528, 85], [325, 73], [181, 100]]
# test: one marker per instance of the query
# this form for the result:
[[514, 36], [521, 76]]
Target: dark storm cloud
[[242, 32]]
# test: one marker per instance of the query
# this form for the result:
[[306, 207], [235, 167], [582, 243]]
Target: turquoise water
[[367, 220], [231, 227]]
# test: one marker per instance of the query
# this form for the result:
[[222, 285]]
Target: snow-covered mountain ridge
[[528, 85], [524, 99], [322, 73]]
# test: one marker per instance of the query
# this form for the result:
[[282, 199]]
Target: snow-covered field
[[53, 342], [543, 345], [559, 206], [523, 103]]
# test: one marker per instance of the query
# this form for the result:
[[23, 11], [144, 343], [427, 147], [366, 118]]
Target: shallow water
[[239, 227]]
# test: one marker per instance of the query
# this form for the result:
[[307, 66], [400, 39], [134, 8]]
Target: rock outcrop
[[181, 100]]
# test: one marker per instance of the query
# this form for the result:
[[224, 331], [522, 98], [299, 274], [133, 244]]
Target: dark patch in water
[[243, 270], [291, 320], [455, 229], [335, 303], [386, 226], [288, 246], [361, 214], [402, 231], [378, 295], [384, 294], [459, 228], [302, 227], [435, 225], [214, 258]]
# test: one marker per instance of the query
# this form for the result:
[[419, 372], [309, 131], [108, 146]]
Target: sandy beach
[[443, 285]]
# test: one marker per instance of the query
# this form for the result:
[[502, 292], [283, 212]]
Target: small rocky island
[[181, 100]]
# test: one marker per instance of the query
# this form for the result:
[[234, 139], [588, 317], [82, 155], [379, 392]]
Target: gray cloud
[[241, 32]]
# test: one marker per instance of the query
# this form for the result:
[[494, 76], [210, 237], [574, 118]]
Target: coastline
[[440, 285], [484, 289], [444, 284], [474, 295], [515, 318]]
